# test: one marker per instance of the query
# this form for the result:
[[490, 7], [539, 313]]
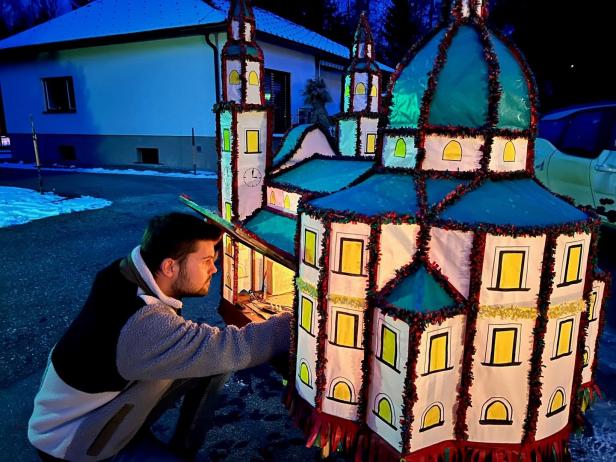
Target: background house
[[119, 83]]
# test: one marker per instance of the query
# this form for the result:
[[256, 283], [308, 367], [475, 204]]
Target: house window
[[432, 417], [563, 338], [586, 357], [437, 352], [67, 152], [373, 91], [345, 333], [272, 198], [510, 275], [310, 246], [341, 391], [592, 307], [452, 151], [360, 89], [228, 245], [384, 410], [370, 143], [59, 94], [573, 259], [234, 77], [351, 256], [389, 346], [253, 78], [496, 412], [287, 202], [557, 403], [306, 317], [400, 149], [304, 374], [252, 142], [277, 87], [504, 346], [226, 139], [509, 152], [228, 211], [148, 155]]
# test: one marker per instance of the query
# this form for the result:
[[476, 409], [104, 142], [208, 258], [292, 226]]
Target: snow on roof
[[109, 18]]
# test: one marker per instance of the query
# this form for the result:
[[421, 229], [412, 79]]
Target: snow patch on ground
[[19, 205], [201, 174]]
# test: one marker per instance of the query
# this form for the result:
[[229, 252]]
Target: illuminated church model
[[446, 303]]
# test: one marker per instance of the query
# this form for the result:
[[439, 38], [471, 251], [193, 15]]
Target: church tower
[[244, 123], [358, 121]]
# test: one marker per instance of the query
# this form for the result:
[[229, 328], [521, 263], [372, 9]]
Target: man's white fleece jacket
[[120, 355]]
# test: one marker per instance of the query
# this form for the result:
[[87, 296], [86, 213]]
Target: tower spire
[[469, 9], [241, 20], [363, 44]]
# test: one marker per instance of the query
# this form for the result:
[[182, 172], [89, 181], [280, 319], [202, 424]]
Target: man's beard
[[182, 287]]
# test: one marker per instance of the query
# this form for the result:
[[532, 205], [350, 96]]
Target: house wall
[[592, 332]]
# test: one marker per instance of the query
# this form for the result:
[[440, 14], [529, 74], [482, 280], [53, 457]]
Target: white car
[[575, 155]]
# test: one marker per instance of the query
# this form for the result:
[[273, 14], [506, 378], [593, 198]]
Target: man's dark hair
[[174, 235]]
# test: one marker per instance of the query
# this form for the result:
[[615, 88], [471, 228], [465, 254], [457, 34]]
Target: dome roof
[[458, 60]]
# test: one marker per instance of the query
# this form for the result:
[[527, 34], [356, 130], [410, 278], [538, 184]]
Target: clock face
[[252, 177]]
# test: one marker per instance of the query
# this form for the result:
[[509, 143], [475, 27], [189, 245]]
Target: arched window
[[360, 89], [557, 402], [272, 198], [384, 409], [341, 391], [400, 149], [287, 202], [253, 78], [509, 152], [452, 151], [234, 77], [496, 411], [432, 417], [304, 373], [586, 357], [373, 91]]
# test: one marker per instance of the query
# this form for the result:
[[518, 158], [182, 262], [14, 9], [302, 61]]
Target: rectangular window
[[351, 256], [277, 87], [306, 317], [226, 139], [510, 269], [592, 306], [563, 339], [148, 155], [504, 345], [228, 245], [252, 142], [310, 245], [389, 346], [572, 264], [370, 143], [59, 94], [67, 152], [346, 329], [438, 352], [228, 211]]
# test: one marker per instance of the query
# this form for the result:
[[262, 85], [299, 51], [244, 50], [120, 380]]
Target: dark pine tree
[[400, 31]]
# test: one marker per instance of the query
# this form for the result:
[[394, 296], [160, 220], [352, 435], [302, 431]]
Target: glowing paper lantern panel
[[447, 304]]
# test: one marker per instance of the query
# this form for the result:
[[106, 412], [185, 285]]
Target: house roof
[[104, 19], [420, 292], [323, 175], [277, 230], [290, 141]]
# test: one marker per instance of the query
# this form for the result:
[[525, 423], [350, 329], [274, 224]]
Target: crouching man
[[130, 353]]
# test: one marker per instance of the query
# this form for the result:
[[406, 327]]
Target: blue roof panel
[[277, 230], [420, 292], [289, 143], [323, 175]]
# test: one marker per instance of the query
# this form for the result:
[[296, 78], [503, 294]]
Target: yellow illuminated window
[[351, 256], [228, 211], [346, 329], [272, 198], [557, 403], [510, 269], [360, 89], [252, 141], [503, 346], [304, 373], [370, 143], [373, 90], [226, 139], [234, 77], [384, 411], [432, 418], [342, 392], [572, 264], [496, 411], [389, 346], [592, 304], [287, 202], [253, 78], [563, 339], [452, 151], [438, 352], [400, 150], [310, 246], [228, 245], [509, 152], [306, 318], [586, 357]]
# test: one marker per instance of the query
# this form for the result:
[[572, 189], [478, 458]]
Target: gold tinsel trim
[[307, 288], [530, 312]]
